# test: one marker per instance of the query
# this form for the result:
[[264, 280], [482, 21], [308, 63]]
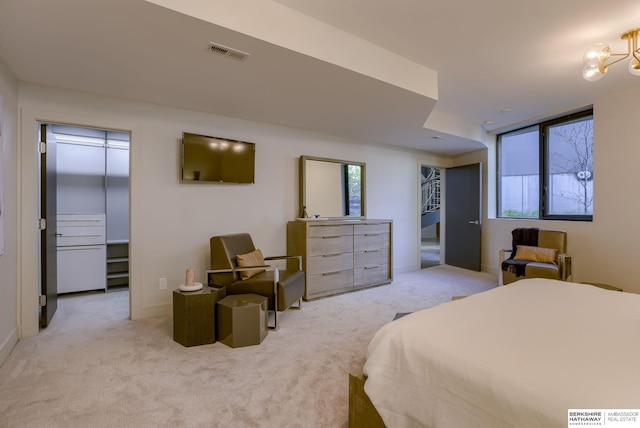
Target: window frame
[[543, 167]]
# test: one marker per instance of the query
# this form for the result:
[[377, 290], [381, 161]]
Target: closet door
[[48, 235]]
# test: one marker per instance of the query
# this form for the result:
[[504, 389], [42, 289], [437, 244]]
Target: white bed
[[520, 355]]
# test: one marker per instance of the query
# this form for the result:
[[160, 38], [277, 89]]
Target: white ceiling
[[521, 56]]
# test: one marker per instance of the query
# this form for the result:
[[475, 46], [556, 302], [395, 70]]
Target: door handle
[[476, 222]]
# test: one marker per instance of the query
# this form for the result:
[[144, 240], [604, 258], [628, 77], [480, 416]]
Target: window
[[546, 170], [520, 173], [352, 194]]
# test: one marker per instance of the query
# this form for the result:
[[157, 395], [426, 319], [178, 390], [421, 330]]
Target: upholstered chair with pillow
[[536, 254], [238, 266]]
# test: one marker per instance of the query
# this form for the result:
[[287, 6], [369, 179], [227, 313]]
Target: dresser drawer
[[371, 241], [330, 245], [82, 268], [362, 229], [81, 229], [81, 220], [318, 285], [317, 265], [371, 258], [81, 235], [330, 230], [371, 275]]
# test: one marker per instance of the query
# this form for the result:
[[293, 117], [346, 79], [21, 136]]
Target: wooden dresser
[[341, 255]]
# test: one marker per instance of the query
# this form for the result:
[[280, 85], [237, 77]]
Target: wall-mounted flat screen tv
[[213, 159]]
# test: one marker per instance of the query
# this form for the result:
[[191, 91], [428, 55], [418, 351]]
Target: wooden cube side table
[[194, 315], [242, 320]]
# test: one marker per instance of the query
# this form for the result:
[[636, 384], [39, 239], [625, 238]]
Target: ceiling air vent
[[227, 51]]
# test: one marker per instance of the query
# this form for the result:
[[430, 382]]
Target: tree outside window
[[353, 180], [570, 181]]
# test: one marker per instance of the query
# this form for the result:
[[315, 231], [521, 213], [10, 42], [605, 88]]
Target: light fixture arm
[[597, 56], [631, 37]]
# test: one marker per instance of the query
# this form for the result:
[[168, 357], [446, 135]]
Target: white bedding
[[520, 355]]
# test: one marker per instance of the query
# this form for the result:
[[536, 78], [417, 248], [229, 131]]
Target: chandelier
[[595, 58]]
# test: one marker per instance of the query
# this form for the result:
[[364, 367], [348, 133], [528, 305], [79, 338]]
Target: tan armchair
[[283, 288], [535, 264]]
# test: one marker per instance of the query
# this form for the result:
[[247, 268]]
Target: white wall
[[171, 223], [9, 260], [606, 249]]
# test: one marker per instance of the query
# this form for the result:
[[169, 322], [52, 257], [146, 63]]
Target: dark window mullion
[[499, 176], [543, 176]]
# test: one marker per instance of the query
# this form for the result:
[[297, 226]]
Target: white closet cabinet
[[81, 252]]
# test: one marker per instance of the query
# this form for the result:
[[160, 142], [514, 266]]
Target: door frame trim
[[28, 209]]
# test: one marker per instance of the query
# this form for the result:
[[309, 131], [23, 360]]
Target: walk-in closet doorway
[[84, 211]]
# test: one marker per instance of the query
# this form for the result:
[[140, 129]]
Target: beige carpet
[[92, 367]]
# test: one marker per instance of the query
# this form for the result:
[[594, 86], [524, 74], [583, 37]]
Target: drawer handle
[[371, 251], [80, 248], [371, 267], [331, 273], [331, 237], [371, 234], [332, 255], [79, 236]]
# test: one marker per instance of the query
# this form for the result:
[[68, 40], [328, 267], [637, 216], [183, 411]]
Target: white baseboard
[[490, 269], [156, 311], [404, 269], [7, 345]]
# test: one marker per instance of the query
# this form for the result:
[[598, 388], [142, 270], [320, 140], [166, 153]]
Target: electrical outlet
[[162, 282]]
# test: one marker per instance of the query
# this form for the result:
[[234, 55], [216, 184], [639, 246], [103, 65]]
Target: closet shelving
[[117, 265]]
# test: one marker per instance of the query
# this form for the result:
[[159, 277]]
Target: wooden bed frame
[[362, 413]]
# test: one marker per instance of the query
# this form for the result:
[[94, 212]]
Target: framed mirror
[[332, 188]]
